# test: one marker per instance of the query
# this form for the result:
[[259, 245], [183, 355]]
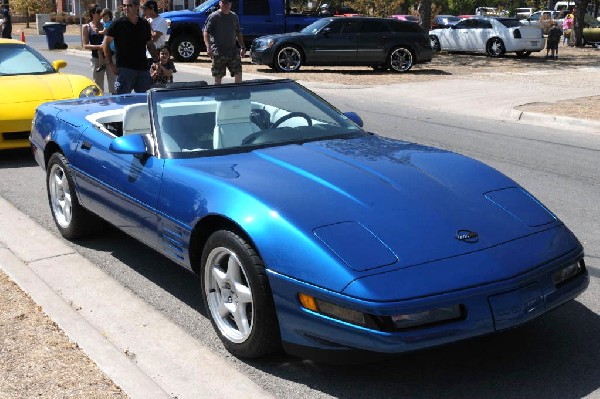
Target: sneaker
[[101, 68]]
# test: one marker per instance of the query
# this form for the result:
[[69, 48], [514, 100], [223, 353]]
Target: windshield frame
[[334, 125]]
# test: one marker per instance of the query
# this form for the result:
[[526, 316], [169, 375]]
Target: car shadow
[[16, 158], [555, 356], [361, 72]]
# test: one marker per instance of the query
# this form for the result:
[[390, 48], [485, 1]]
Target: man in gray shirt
[[221, 31]]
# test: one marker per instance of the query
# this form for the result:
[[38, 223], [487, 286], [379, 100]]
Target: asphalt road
[[556, 356]]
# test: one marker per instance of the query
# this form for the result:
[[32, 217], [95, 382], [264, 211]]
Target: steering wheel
[[290, 116]]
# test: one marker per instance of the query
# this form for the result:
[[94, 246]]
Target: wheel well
[[51, 148], [204, 228]]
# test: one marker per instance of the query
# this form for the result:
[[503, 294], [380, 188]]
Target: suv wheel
[[288, 58], [185, 48], [400, 59]]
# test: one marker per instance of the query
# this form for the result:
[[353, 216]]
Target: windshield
[[317, 25], [189, 122], [205, 6], [18, 59]]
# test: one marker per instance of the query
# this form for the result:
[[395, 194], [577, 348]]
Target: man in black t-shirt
[[132, 35]]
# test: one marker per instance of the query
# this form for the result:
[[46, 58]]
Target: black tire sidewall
[[264, 337]]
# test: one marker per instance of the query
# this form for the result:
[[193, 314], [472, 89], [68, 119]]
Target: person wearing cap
[[221, 31], [132, 36], [158, 25]]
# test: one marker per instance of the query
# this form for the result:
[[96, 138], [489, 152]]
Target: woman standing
[[6, 24], [92, 40]]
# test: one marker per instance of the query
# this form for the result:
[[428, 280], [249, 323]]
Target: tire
[[435, 44], [523, 54], [400, 60], [185, 48], [73, 221], [288, 58], [237, 296], [495, 47]]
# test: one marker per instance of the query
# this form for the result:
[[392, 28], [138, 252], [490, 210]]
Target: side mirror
[[133, 144], [353, 116], [59, 64]]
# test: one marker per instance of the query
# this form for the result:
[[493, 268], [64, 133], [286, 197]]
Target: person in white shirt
[[158, 25]]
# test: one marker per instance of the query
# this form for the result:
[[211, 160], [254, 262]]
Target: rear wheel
[[495, 47], [73, 221], [435, 43], [288, 58], [400, 60], [237, 296], [185, 48]]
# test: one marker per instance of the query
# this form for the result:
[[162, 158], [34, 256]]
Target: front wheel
[[495, 47], [185, 48], [400, 60], [237, 296], [73, 221], [288, 59]]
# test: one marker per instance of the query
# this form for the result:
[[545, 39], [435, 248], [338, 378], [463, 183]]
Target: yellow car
[[27, 79]]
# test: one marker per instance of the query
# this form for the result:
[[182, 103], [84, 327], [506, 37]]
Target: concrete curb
[[556, 121], [136, 346]]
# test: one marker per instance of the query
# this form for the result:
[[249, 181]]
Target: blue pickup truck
[[257, 18]]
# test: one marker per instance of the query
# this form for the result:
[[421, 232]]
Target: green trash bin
[[55, 35]]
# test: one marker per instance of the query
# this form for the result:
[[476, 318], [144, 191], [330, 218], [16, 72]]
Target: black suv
[[381, 43]]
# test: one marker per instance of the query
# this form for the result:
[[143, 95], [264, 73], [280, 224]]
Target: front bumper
[[489, 308], [262, 57]]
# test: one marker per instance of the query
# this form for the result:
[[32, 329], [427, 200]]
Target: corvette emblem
[[467, 236]]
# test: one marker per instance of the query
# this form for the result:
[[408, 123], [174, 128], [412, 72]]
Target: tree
[[577, 31], [31, 7], [424, 9]]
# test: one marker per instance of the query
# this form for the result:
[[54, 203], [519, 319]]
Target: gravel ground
[[36, 357]]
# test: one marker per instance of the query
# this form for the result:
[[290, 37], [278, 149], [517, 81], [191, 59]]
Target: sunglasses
[[128, 5]]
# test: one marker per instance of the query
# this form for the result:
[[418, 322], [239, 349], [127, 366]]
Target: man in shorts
[[221, 31]]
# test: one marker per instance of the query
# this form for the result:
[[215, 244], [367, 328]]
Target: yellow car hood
[[40, 88]]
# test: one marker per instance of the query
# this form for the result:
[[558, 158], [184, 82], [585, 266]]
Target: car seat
[[232, 123]]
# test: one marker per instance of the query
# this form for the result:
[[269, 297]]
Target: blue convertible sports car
[[308, 232]]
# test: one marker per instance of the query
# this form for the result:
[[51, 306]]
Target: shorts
[[234, 64], [552, 45]]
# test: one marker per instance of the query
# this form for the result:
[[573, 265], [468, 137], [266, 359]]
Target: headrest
[[136, 118], [233, 111]]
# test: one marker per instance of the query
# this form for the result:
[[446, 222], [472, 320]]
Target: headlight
[[90, 91], [430, 316], [567, 273], [263, 44], [397, 322]]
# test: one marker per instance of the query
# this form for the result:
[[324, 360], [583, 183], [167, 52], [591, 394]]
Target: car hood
[[376, 204], [36, 88]]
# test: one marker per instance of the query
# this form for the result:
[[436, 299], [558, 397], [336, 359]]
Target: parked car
[[307, 231], [257, 18], [406, 17], [27, 79], [543, 19], [494, 36], [523, 13], [382, 43], [444, 21]]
